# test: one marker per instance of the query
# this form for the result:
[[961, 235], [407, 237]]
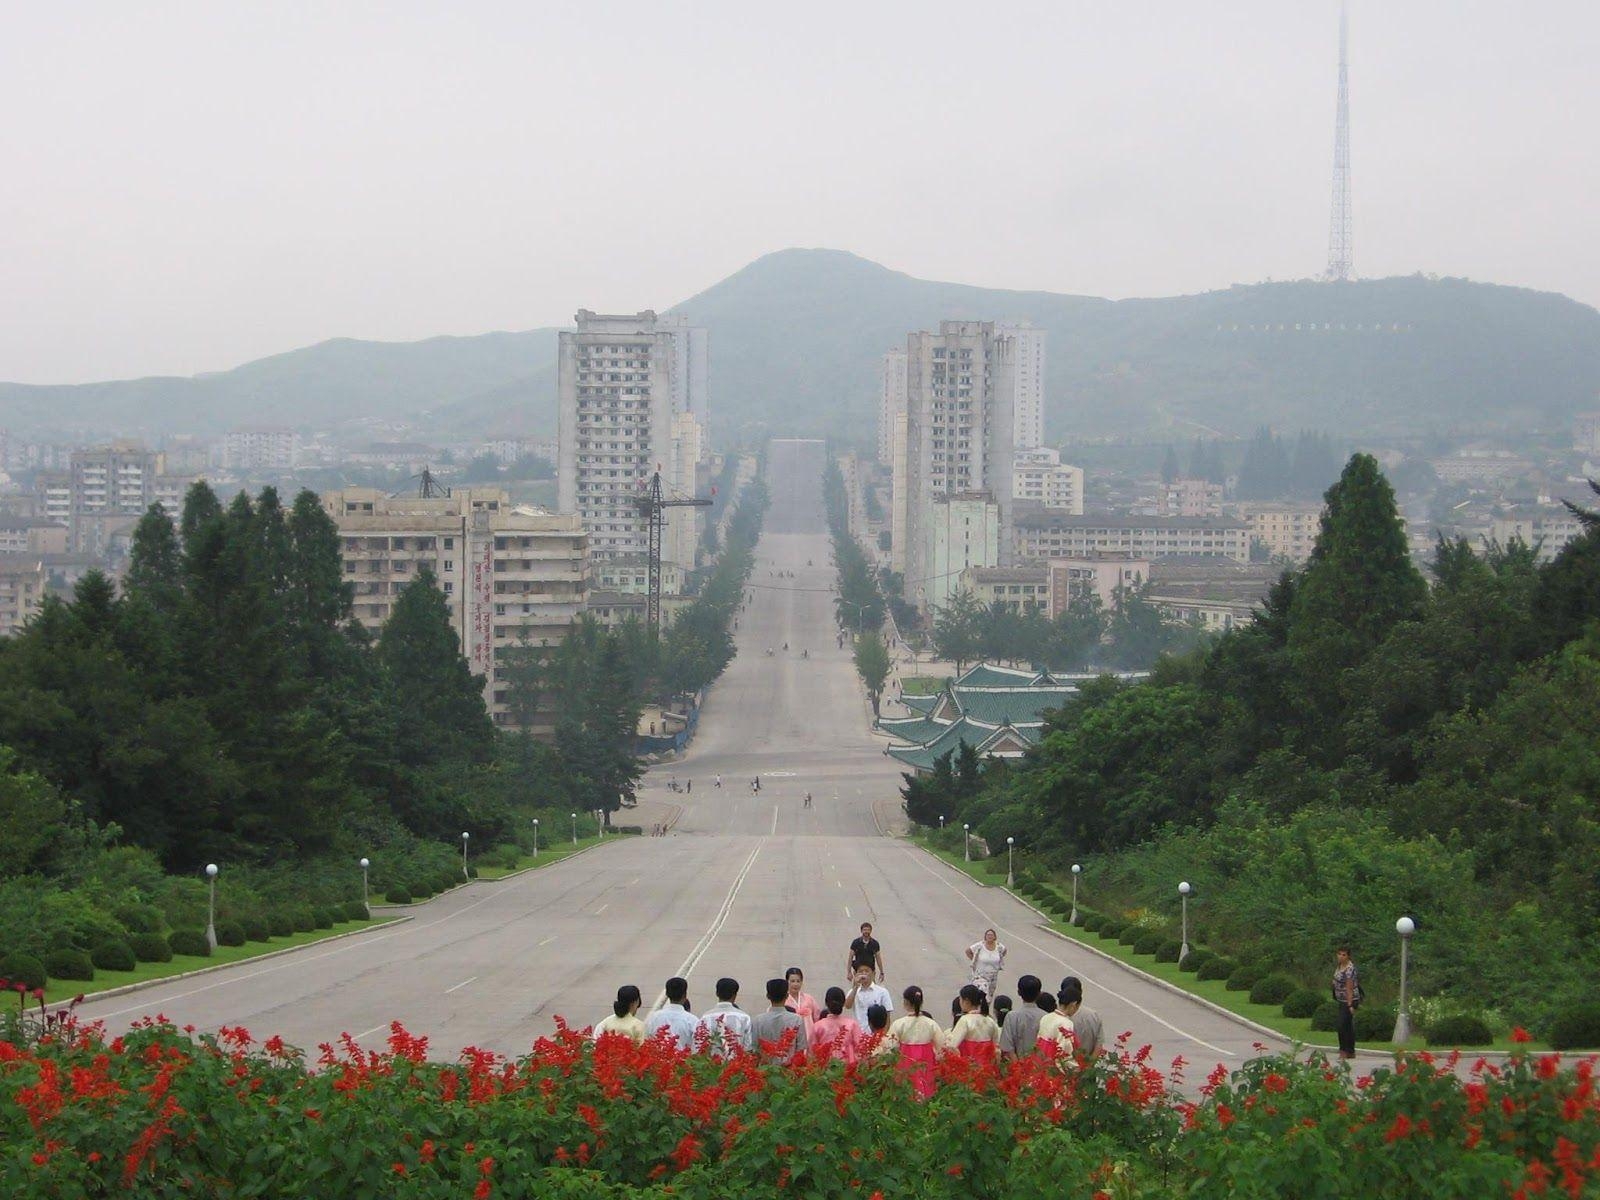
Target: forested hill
[[796, 337]]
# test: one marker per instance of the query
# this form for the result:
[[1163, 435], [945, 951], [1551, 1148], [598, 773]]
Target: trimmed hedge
[[1325, 1019], [1375, 1022], [398, 895], [280, 923], [1272, 989], [231, 933], [1574, 1028], [1168, 952], [257, 928], [1199, 956], [355, 911], [325, 918], [67, 964], [22, 968], [113, 956], [189, 941], [150, 948], [140, 918], [305, 921], [1302, 1003], [1462, 1029], [1243, 978], [1149, 941], [1219, 967]]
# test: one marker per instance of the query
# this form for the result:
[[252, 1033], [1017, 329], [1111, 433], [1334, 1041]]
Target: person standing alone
[[1347, 993], [864, 952]]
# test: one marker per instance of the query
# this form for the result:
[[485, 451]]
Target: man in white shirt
[[727, 1025], [674, 1015], [863, 994]]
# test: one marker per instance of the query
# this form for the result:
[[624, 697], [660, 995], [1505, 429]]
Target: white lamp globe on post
[[211, 905], [941, 822], [1183, 895], [465, 836], [1077, 870], [966, 842], [1405, 927], [366, 903], [574, 829], [1011, 874], [536, 837]]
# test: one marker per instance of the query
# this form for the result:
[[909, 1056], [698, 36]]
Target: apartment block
[[891, 402], [1286, 529], [32, 535], [1042, 534], [1028, 382], [102, 494], [1105, 575], [1586, 433], [1189, 498], [23, 581], [509, 573], [962, 531], [1018, 590], [1548, 526], [264, 449], [1039, 476]]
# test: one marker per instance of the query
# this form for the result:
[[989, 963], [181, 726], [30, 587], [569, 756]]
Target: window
[[449, 587], [449, 564], [450, 543]]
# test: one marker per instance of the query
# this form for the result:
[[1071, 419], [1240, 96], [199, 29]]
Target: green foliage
[[860, 604], [1149, 941], [872, 664], [355, 910], [257, 927], [231, 933], [1325, 1017], [1301, 1003], [150, 947], [1272, 989], [398, 895], [17, 967], [1460, 1030], [1575, 1027], [189, 941], [1216, 968], [1197, 957], [280, 923], [1168, 951], [1375, 1022], [1242, 979], [68, 964], [113, 956]]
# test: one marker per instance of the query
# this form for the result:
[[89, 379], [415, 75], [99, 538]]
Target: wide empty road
[[746, 884]]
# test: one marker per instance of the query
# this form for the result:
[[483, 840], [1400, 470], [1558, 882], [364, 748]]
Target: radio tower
[[1339, 239]]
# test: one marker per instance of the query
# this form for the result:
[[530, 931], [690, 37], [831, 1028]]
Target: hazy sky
[[187, 186]]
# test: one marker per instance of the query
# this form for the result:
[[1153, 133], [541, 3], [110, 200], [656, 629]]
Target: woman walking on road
[[918, 1036], [975, 1036], [987, 957]]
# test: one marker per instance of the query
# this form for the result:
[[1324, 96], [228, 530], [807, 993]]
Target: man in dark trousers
[[865, 952]]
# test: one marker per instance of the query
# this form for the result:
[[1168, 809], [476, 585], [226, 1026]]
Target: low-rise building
[[1105, 575], [962, 531], [1043, 534], [629, 574], [32, 535], [1038, 475], [1548, 526], [1189, 498], [1286, 529], [1013, 589]]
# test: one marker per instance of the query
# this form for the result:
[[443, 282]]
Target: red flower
[[1275, 1083], [1520, 1035], [1401, 1128], [39, 1160], [427, 1153], [686, 1151], [399, 1169]]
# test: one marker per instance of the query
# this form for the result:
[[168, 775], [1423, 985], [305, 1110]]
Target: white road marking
[[460, 985], [633, 881], [846, 910], [774, 820], [548, 940], [717, 923], [838, 883], [601, 909], [374, 1029], [1015, 937]]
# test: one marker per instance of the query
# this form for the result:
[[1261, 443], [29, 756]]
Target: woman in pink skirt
[[975, 1036], [918, 1036], [835, 1034]]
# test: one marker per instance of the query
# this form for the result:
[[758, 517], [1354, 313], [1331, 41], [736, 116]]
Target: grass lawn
[[1214, 990], [922, 685], [57, 989], [564, 848]]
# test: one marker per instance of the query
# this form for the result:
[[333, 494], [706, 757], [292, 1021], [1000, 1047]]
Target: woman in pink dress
[[1055, 1031], [805, 1005], [975, 1036], [835, 1034], [918, 1036]]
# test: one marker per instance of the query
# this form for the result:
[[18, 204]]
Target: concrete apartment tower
[[1028, 398], [623, 383], [891, 402], [959, 439]]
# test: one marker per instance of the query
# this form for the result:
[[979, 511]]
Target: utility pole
[[652, 506]]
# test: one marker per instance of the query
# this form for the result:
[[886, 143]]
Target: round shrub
[[355, 911], [1462, 1029], [1375, 1022], [113, 956], [189, 941], [69, 964], [398, 895], [1198, 957], [22, 968], [1169, 951], [1149, 941], [231, 933], [1576, 1027], [1130, 934], [150, 947], [257, 928], [1243, 979], [1088, 919], [1272, 989], [140, 918], [1325, 1017], [1302, 1003], [280, 923], [1110, 928], [325, 918], [305, 921], [1219, 967]]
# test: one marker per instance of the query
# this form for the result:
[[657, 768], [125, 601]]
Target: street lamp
[[966, 842], [211, 905], [536, 837], [1183, 894], [941, 822], [365, 902], [1076, 871], [1011, 875], [574, 829], [464, 838], [1405, 927]]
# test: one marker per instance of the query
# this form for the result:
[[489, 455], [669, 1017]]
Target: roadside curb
[[143, 984], [523, 870]]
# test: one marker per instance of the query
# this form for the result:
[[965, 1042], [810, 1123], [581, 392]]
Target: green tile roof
[[990, 675], [920, 704], [1018, 705], [919, 730]]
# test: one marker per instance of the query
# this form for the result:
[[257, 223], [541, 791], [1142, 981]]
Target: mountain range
[[796, 337]]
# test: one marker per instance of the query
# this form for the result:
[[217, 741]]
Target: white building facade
[[891, 402], [1028, 399], [1039, 475]]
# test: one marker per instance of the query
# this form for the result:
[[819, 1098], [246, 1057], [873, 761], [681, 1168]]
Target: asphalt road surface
[[746, 884]]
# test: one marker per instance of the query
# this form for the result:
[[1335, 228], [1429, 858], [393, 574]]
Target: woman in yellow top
[[918, 1036], [975, 1035], [624, 1019]]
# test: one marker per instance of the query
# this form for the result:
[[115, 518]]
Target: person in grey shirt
[[1020, 1033], [1085, 1021], [770, 1027]]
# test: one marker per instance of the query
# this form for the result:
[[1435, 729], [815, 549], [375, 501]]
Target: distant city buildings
[[1285, 529], [1189, 498], [1042, 534], [962, 531], [260, 450], [1106, 575], [1586, 433], [1040, 477], [1027, 406], [24, 581], [103, 493], [1019, 590], [891, 402]]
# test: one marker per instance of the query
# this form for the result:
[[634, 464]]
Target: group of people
[[855, 1023]]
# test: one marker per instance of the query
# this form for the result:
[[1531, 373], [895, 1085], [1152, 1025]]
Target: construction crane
[[653, 504]]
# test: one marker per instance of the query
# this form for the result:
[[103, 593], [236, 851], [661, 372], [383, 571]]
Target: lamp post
[[366, 902], [465, 836], [966, 842], [574, 829], [211, 905], [536, 837], [1011, 874], [1405, 927], [1183, 895], [941, 822], [1076, 871]]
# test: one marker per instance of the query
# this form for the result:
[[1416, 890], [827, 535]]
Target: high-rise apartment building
[[962, 531], [623, 380], [260, 449], [103, 493], [959, 430], [511, 575], [891, 402], [1039, 475], [1028, 381]]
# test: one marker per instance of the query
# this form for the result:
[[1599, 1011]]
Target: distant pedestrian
[[780, 1032], [1348, 995], [688, 785], [836, 1034], [624, 1019], [727, 1025], [1086, 1028], [988, 957], [719, 783], [674, 1016], [975, 1035], [1055, 1030], [918, 1036], [1020, 1034], [864, 952]]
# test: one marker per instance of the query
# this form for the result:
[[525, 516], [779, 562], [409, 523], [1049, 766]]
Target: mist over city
[[769, 579]]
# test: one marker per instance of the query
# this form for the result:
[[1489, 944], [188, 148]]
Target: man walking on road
[[674, 1015], [1086, 1026], [727, 1024], [863, 994], [1020, 1034], [864, 952]]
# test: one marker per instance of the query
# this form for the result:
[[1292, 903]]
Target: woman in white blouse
[[987, 958], [918, 1036], [624, 1019], [975, 1035]]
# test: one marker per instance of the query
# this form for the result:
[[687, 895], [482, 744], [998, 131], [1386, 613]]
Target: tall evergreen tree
[[155, 567]]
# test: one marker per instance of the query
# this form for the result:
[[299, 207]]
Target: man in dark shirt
[[865, 952]]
